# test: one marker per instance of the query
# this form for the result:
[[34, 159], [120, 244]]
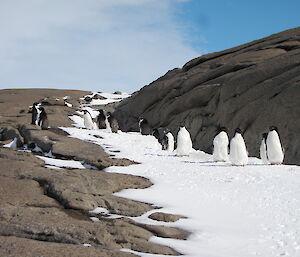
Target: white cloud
[[89, 44]]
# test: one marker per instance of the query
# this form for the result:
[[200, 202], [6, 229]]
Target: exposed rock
[[48, 205], [98, 97], [10, 133], [52, 101], [13, 104], [70, 148], [165, 217], [166, 232], [252, 86], [45, 212], [16, 247], [88, 99]]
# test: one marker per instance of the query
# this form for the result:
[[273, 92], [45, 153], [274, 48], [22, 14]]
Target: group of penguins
[[39, 116], [104, 120], [271, 151]]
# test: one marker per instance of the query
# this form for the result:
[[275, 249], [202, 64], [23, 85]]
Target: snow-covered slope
[[232, 211]]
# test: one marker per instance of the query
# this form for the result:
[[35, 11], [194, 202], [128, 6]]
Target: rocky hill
[[46, 211], [252, 86]]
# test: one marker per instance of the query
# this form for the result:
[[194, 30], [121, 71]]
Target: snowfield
[[232, 211], [110, 98]]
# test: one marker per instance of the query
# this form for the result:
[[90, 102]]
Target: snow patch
[[62, 163], [12, 144]]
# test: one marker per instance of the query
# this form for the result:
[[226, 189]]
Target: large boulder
[[252, 86]]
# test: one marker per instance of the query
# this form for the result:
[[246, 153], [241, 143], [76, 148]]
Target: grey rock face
[[252, 86]]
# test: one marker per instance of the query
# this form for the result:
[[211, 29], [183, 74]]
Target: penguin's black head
[[101, 111], [264, 135], [238, 130], [40, 107], [143, 120], [220, 129], [273, 128]]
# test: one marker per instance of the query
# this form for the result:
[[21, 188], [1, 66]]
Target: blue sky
[[225, 24], [110, 45]]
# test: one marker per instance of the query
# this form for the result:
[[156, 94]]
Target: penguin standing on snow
[[161, 135], [42, 119], [101, 119], [145, 128], [171, 143], [184, 142], [238, 152], [275, 153], [221, 142], [114, 125], [87, 120], [263, 149]]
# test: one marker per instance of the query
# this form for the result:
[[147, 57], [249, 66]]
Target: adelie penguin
[[87, 120], [221, 142], [101, 119], [263, 149], [34, 112], [171, 142], [238, 152], [42, 119], [275, 153], [114, 125], [161, 135], [145, 128], [184, 142]]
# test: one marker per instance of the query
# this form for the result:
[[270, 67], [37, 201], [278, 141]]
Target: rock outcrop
[[46, 212], [252, 86]]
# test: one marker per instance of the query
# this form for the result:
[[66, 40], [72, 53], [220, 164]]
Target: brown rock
[[44, 212], [18, 247], [165, 217]]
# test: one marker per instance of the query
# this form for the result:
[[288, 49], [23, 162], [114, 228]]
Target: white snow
[[68, 104], [62, 163], [99, 210], [232, 211], [111, 98], [53, 167], [12, 144]]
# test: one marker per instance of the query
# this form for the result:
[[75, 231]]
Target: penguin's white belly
[[170, 142], [88, 122], [274, 150], [38, 115], [238, 152], [108, 128], [184, 145], [220, 152], [263, 152]]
